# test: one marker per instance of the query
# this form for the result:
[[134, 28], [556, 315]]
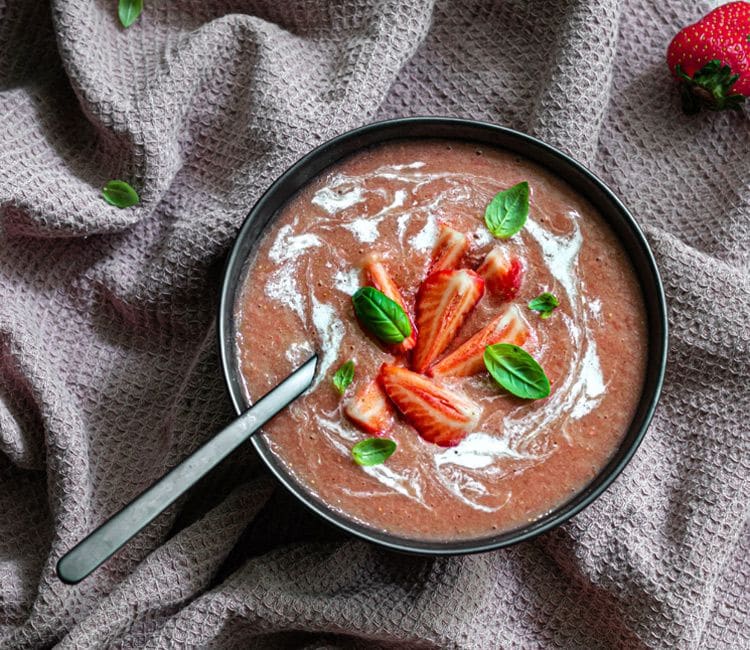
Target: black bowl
[[582, 180]]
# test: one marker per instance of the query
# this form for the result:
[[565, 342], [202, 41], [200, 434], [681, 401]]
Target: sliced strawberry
[[443, 303], [468, 358], [439, 415], [369, 409], [449, 249], [376, 275], [503, 272]]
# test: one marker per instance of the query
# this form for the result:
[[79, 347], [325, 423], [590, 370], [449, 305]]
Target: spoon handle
[[114, 533]]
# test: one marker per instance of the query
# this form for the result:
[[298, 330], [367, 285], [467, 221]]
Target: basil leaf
[[120, 194], [373, 451], [344, 376], [545, 303], [516, 371], [507, 212], [128, 11], [382, 316]]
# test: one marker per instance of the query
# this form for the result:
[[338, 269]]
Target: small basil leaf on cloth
[[120, 194], [373, 451], [344, 376], [380, 315], [506, 214], [128, 11], [545, 303], [516, 371]]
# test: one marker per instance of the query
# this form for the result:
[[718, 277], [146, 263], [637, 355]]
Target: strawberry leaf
[[380, 315], [344, 376], [120, 194], [709, 87], [507, 212], [516, 371], [373, 451], [545, 303]]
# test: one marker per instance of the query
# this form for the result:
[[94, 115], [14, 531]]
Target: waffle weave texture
[[108, 366]]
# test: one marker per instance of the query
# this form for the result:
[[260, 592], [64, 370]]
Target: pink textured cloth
[[108, 365]]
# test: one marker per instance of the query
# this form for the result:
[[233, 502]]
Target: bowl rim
[[561, 513]]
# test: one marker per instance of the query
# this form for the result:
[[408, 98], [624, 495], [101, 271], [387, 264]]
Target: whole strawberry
[[711, 59]]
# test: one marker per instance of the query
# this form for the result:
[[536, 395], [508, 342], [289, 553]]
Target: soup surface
[[520, 458]]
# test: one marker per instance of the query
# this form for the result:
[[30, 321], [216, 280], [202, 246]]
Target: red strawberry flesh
[[450, 247], [439, 415], [503, 272], [369, 409], [444, 301], [376, 275], [468, 358]]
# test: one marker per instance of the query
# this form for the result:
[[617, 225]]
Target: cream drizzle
[[481, 236], [333, 202], [583, 385], [330, 332], [365, 229], [346, 281], [402, 222], [471, 491], [595, 308], [337, 430], [282, 288], [425, 239], [478, 450], [405, 482], [298, 352], [287, 246], [286, 251]]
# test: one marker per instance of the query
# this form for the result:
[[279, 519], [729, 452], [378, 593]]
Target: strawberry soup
[[481, 337]]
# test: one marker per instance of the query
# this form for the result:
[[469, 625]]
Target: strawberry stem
[[710, 87]]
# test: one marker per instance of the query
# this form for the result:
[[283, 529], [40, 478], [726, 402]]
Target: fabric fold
[[108, 361]]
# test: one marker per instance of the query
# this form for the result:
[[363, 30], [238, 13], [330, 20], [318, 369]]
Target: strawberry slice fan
[[711, 59], [446, 297]]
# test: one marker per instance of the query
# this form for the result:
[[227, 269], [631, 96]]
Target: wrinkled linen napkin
[[108, 364]]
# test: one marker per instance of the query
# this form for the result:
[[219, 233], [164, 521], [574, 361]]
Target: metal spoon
[[114, 533]]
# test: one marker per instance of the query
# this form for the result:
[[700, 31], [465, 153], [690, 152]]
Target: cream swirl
[[508, 441]]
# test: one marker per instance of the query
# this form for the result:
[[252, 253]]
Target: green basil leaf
[[373, 451], [381, 315], [128, 11], [344, 376], [120, 194], [545, 303], [516, 371], [507, 212]]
